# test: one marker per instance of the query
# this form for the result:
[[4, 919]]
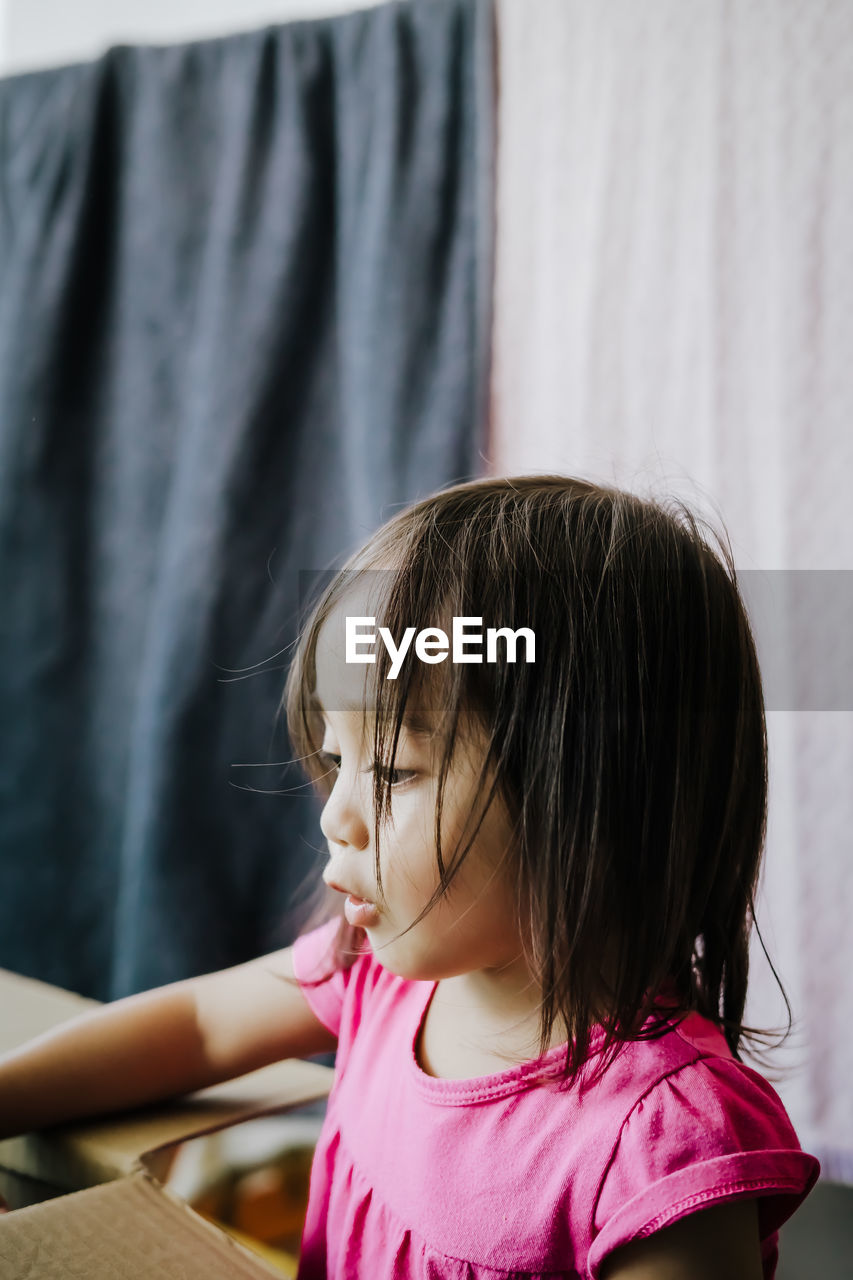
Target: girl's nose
[[342, 820]]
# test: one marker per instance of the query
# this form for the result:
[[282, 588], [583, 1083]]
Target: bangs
[[421, 701]]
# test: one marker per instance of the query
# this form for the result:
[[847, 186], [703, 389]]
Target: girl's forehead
[[346, 688], [340, 686]]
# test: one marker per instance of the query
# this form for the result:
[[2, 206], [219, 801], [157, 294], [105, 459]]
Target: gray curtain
[[244, 314]]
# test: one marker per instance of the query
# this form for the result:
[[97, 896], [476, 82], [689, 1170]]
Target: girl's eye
[[399, 777], [329, 762]]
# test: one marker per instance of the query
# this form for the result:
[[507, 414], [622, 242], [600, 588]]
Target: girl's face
[[473, 926]]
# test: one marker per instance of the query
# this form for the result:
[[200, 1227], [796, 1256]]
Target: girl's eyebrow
[[412, 721], [417, 726]]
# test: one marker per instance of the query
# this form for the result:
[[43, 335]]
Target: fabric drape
[[674, 312], [244, 292]]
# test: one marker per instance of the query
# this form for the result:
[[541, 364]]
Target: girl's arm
[[708, 1244], [157, 1044]]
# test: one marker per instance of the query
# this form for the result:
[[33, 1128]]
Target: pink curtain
[[674, 312]]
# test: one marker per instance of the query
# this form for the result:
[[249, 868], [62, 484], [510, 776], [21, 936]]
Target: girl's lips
[[360, 912]]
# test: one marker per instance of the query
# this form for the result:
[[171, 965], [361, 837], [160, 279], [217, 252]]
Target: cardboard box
[[87, 1200]]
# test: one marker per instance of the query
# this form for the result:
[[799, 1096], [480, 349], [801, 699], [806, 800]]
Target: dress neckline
[[512, 1079], [461, 1092]]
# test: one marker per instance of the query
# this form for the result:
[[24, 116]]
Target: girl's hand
[[708, 1244]]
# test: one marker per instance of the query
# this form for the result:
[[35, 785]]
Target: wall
[[42, 33]]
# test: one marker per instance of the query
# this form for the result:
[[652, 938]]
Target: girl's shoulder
[[327, 986], [686, 1081], [664, 1051], [692, 1126]]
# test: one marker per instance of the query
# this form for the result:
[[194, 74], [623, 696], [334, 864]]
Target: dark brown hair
[[631, 755]]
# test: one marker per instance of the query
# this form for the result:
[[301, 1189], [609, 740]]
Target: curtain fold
[[674, 312], [244, 315]]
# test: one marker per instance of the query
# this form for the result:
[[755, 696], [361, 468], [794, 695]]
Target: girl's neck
[[494, 993], [497, 1008], [467, 1033]]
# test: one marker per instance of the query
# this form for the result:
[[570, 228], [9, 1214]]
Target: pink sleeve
[[313, 958], [712, 1131]]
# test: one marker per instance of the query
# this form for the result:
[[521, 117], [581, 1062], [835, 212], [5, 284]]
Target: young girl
[[548, 843]]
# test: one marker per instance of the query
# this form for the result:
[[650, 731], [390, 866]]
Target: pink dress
[[495, 1177]]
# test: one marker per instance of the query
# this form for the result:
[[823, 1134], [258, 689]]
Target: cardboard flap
[[130, 1228], [30, 1007], [85, 1154]]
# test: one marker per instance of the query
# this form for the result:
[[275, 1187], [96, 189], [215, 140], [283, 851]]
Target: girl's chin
[[394, 959]]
